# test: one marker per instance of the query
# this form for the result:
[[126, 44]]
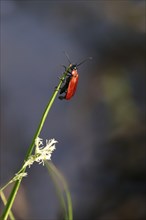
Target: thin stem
[[64, 183], [10, 181], [30, 149], [5, 201], [5, 186], [58, 190]]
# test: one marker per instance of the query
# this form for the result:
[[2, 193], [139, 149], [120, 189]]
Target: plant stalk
[[30, 149]]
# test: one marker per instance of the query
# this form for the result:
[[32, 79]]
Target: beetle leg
[[65, 86], [61, 97], [56, 88], [63, 66], [69, 74], [60, 78]]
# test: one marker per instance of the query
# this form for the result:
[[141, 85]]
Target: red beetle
[[71, 82], [70, 85]]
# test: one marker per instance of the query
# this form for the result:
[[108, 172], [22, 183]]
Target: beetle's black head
[[73, 67]]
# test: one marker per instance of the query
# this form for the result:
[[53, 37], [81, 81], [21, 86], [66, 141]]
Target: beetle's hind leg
[[62, 97]]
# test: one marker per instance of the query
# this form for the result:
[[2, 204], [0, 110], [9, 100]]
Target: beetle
[[71, 82]]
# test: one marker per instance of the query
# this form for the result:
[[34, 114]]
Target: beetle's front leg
[[64, 67]]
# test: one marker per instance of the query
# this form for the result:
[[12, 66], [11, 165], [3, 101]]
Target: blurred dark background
[[101, 130]]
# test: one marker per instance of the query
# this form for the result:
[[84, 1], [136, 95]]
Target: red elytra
[[72, 85]]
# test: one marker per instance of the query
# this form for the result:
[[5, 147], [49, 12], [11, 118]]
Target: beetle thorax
[[74, 72]]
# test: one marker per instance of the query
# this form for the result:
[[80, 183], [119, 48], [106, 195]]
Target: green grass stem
[[30, 149]]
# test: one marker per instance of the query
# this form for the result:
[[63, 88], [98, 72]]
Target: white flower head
[[42, 153]]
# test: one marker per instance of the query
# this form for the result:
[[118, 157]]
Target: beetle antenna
[[67, 56], [88, 58]]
